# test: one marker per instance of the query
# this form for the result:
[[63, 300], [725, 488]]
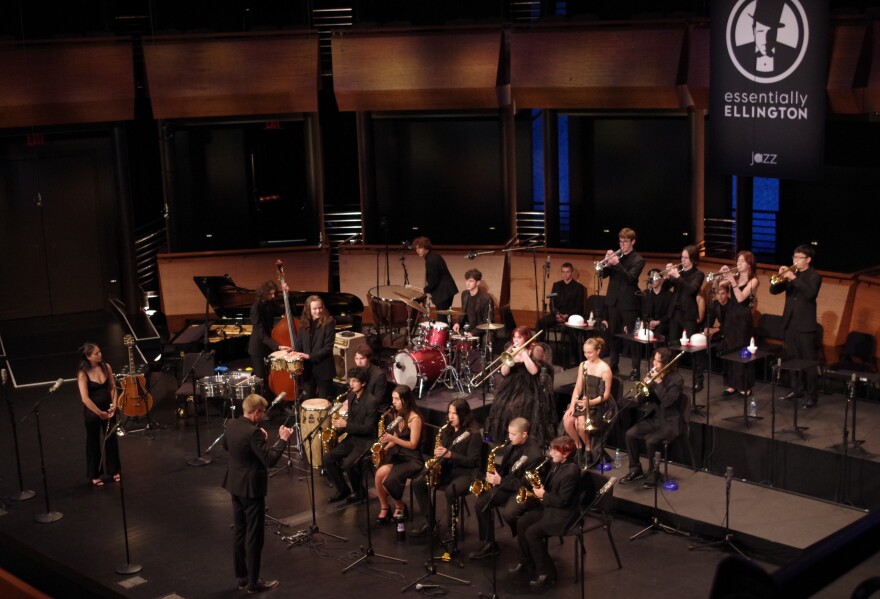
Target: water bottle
[[400, 520], [638, 326], [753, 406], [618, 459]]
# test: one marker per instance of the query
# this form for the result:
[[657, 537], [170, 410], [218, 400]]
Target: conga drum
[[311, 412]]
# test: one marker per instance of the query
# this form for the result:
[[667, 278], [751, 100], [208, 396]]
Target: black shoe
[[242, 584], [419, 531], [519, 568], [791, 396], [262, 586], [337, 497], [355, 498], [486, 550], [728, 392], [635, 375], [386, 518], [633, 475], [698, 386], [652, 481], [810, 403], [542, 580]]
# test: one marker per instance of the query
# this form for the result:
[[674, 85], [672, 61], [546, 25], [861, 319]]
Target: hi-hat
[[412, 304], [491, 326]]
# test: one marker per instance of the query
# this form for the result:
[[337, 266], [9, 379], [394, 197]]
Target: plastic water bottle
[[618, 459], [753, 406], [400, 520], [638, 326]]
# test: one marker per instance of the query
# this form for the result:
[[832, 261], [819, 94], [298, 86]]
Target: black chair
[[684, 434], [859, 354], [594, 513]]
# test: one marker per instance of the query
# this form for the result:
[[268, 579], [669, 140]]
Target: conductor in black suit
[[314, 346], [622, 300], [438, 282], [801, 284], [361, 424], [247, 480]]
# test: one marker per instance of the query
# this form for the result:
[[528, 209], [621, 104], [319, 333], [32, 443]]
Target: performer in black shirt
[[686, 284], [438, 282], [476, 304], [567, 299], [622, 300], [260, 344], [656, 305], [377, 383], [314, 345]]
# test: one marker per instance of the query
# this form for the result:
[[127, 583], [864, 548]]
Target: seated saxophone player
[[458, 462], [402, 459], [558, 497], [521, 454], [362, 409], [661, 418]]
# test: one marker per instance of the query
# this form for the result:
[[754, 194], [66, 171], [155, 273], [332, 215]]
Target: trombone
[[506, 358], [778, 278], [643, 388], [604, 261]]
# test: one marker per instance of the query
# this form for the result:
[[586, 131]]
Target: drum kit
[[231, 386]]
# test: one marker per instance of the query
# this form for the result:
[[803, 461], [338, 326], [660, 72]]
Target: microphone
[[3, 375], [55, 387], [657, 462], [728, 476], [407, 245], [461, 437], [548, 266], [511, 242], [320, 240], [519, 464], [606, 487], [351, 239], [420, 586], [551, 295], [395, 422], [778, 370], [277, 399], [471, 255], [335, 409]]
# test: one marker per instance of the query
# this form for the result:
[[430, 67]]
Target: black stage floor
[[179, 518]]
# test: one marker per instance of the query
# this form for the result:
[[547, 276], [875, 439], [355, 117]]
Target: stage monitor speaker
[[344, 347]]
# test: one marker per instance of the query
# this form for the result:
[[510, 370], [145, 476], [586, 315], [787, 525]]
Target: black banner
[[768, 78]]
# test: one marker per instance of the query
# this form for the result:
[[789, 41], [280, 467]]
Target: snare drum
[[241, 384], [464, 343], [281, 360], [213, 386], [311, 412], [412, 366]]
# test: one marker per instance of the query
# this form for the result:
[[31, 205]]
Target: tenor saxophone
[[330, 436], [378, 450], [533, 478], [433, 465], [480, 486]]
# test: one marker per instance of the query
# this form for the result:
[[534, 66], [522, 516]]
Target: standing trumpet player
[[622, 302], [686, 280], [800, 282]]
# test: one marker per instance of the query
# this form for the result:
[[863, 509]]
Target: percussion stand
[[368, 551], [127, 567], [22, 495], [48, 516]]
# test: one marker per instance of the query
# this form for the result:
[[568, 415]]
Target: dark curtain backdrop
[[441, 177]]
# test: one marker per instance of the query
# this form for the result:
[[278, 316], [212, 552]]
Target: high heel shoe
[[380, 519]]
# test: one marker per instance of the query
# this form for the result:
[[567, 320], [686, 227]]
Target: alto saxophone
[[433, 465], [330, 436], [378, 450], [533, 478], [478, 487]]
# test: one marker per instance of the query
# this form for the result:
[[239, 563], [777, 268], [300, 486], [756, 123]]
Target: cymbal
[[412, 304], [451, 312], [492, 326], [387, 292]]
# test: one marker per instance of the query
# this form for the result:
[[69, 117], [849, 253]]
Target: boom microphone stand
[[490, 533], [47, 516], [368, 552], [127, 567], [727, 539], [655, 525], [22, 495]]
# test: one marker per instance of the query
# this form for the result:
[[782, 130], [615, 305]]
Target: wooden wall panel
[[304, 269], [847, 45], [66, 83], [872, 93], [417, 71], [198, 77], [697, 85], [866, 309]]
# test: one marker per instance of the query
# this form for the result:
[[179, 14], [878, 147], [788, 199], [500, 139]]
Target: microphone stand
[[199, 460], [23, 494], [727, 539], [48, 516], [368, 551], [655, 525], [777, 373], [491, 540], [127, 567]]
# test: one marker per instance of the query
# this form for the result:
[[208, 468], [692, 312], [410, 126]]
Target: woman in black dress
[[738, 322], [97, 390], [522, 394], [402, 458], [593, 388]]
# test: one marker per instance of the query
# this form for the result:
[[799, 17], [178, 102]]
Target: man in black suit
[[247, 480], [377, 382], [622, 301], [522, 454], [476, 304], [801, 284], [361, 425], [439, 284], [567, 298]]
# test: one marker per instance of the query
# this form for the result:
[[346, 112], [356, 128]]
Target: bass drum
[[411, 367]]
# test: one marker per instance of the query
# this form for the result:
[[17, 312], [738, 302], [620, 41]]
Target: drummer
[[438, 282], [476, 305], [261, 344]]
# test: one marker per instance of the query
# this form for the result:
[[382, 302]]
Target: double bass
[[284, 333], [134, 400]]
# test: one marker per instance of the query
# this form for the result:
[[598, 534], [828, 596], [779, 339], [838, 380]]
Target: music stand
[[694, 349], [796, 366], [736, 357]]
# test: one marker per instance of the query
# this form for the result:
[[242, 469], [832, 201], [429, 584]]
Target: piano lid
[[231, 301]]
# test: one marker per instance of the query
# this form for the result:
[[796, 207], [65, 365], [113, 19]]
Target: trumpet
[[643, 388], [506, 358], [715, 275], [662, 274], [778, 278], [604, 261]]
